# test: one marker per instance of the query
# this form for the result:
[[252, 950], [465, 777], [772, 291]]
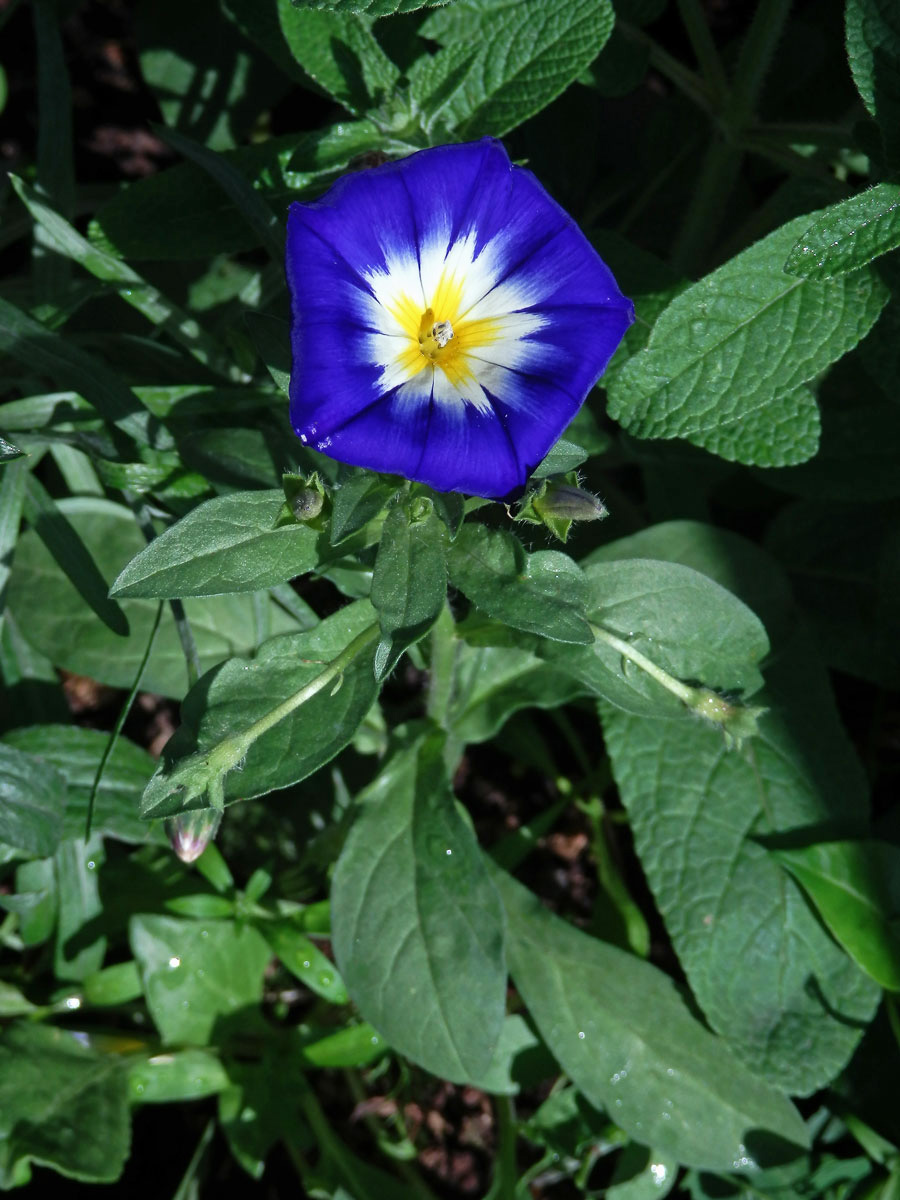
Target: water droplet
[[204, 933], [670, 1071], [73, 1002], [138, 1088], [375, 1039], [659, 1173], [666, 1116], [581, 1034], [449, 851], [326, 980], [306, 964], [185, 1004], [174, 962], [91, 865], [200, 972]]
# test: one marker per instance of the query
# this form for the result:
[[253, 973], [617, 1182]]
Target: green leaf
[[642, 1174], [373, 8], [71, 554], [692, 381], [743, 932], [228, 544], [229, 700], [529, 53], [543, 593], [781, 433], [76, 754], [12, 501], [196, 973], [352, 1046], [272, 339], [873, 48], [303, 958], [357, 499], [32, 803], [417, 925], [61, 1106], [174, 1078], [626, 1038], [491, 683], [844, 880], [181, 213], [339, 51], [59, 623], [409, 585], [119, 984], [182, 327], [682, 621], [80, 944], [849, 235], [71, 367]]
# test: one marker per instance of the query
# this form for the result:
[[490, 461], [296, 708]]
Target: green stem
[[441, 671], [686, 80], [704, 216], [506, 1168], [684, 693], [122, 718], [755, 57], [230, 752], [697, 27]]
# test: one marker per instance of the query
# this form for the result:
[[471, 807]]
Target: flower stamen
[[435, 337]]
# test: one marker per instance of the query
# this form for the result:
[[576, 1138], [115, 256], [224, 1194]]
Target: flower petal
[[526, 313]]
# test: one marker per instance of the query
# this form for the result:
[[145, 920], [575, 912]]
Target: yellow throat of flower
[[437, 341]]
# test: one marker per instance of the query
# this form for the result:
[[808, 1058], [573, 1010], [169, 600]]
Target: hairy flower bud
[[190, 833], [567, 502]]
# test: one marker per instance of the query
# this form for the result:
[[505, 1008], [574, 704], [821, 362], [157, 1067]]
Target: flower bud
[[736, 721], [191, 832], [570, 503]]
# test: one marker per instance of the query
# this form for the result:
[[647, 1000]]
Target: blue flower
[[448, 319]]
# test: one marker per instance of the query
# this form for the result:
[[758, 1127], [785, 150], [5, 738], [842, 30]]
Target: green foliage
[[358, 706]]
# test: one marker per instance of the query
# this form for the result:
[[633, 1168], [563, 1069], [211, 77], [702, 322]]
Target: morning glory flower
[[449, 319]]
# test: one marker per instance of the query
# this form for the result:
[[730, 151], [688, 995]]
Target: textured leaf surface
[[229, 699], [743, 931], [873, 48], [374, 8], [542, 593], [738, 341], [197, 972], [417, 924], [32, 802], [228, 544], [849, 235], [530, 53], [76, 753], [61, 1105], [339, 51], [59, 623], [782, 433], [846, 884], [626, 1038]]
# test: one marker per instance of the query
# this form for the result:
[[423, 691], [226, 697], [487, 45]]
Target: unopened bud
[[307, 504], [191, 832], [565, 501]]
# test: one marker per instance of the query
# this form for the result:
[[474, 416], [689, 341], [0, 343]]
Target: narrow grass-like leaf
[[849, 235], [627, 1039], [543, 593], [417, 925], [240, 192], [8, 452], [228, 544], [12, 500], [71, 367], [696, 373], [66, 240], [409, 584], [272, 338], [844, 881], [529, 53], [70, 552]]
